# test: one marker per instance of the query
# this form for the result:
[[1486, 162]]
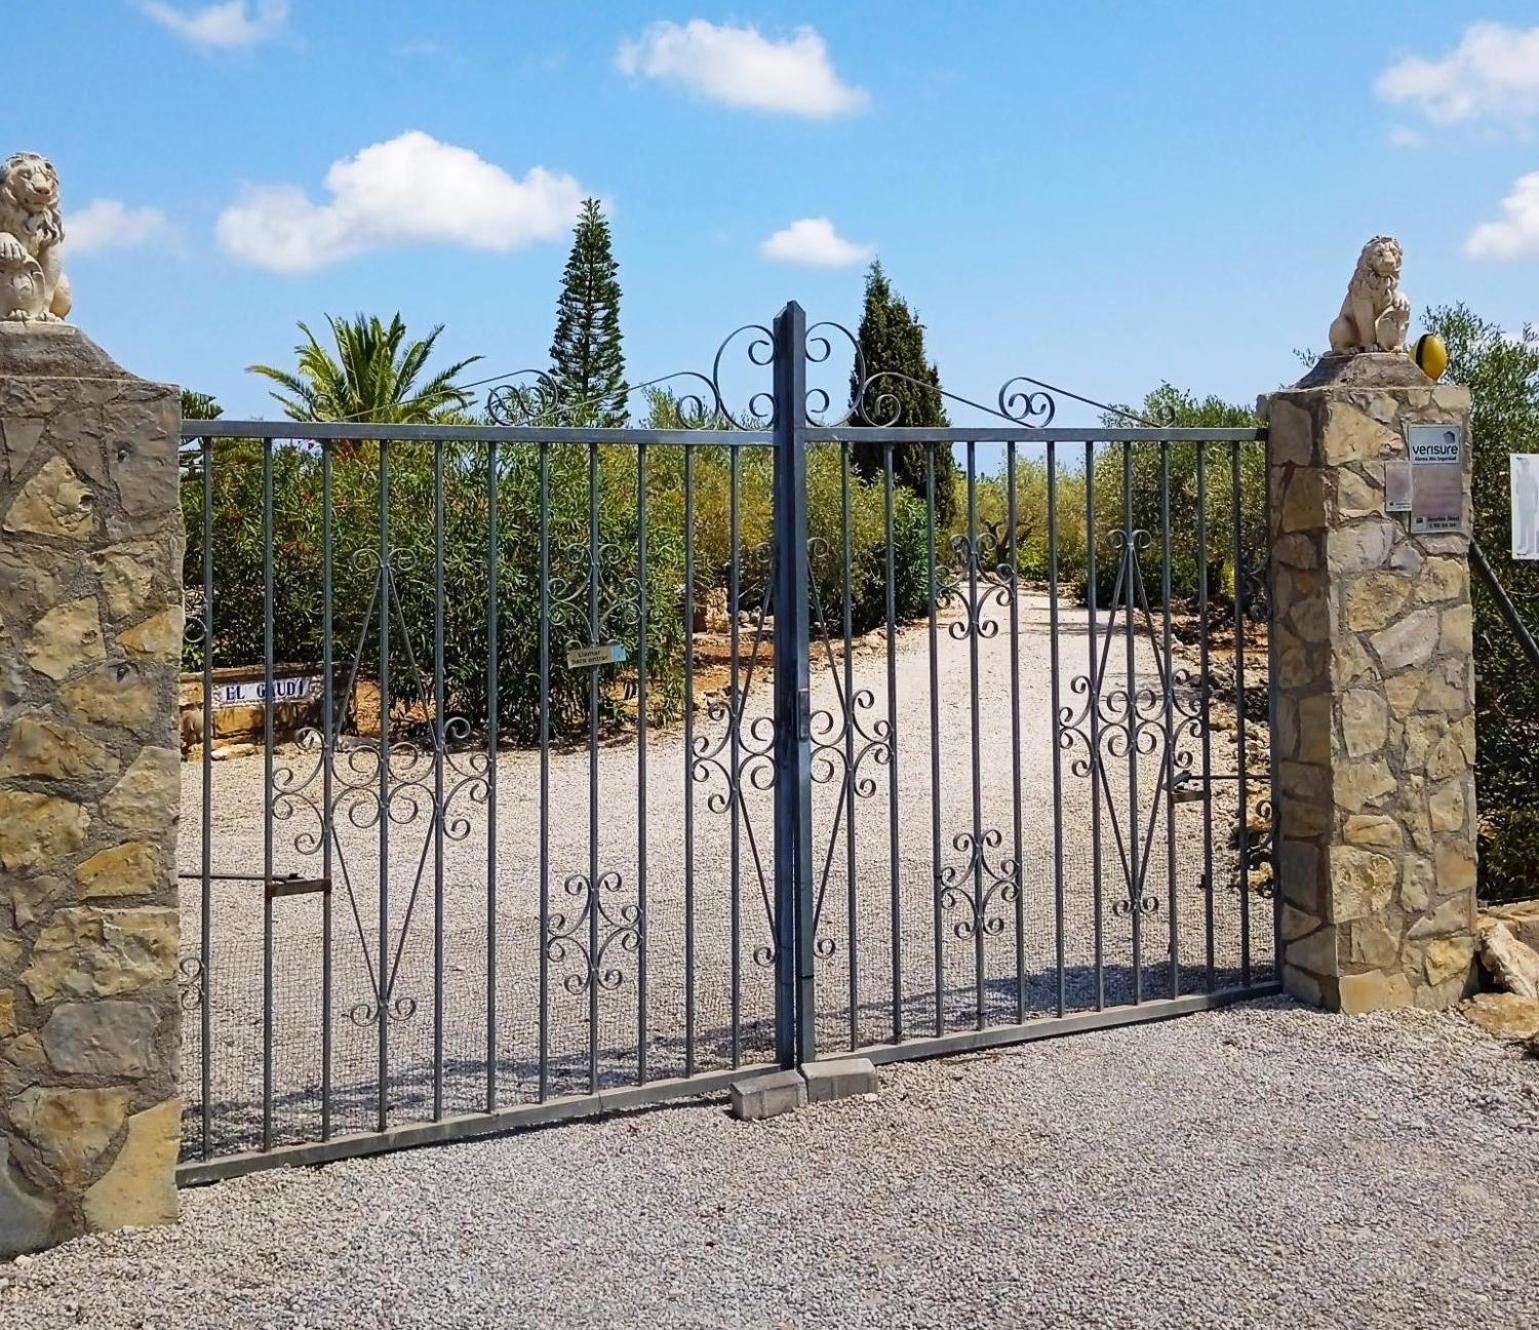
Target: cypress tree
[[891, 343], [586, 361]]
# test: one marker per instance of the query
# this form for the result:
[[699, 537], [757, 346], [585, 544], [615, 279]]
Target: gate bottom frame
[[471, 1126]]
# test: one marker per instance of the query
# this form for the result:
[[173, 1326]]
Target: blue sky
[[1101, 195]]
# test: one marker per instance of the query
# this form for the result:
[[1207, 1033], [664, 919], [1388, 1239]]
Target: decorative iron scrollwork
[[604, 929], [1001, 882]]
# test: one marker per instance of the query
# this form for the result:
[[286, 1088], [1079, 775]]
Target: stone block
[[38, 828], [147, 798], [140, 1187], [66, 640], [1411, 641], [44, 749], [840, 1078], [55, 503], [26, 1218], [1376, 990], [130, 869], [1504, 1015], [768, 1096], [88, 952], [71, 1128], [101, 1038]]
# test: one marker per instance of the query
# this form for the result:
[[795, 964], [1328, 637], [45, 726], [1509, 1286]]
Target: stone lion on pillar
[[1376, 313], [32, 285]]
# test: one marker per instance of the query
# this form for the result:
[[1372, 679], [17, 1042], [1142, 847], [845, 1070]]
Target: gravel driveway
[[1254, 1167], [1003, 963]]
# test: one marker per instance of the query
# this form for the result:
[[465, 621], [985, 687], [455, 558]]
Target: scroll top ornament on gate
[[1376, 313], [33, 287]]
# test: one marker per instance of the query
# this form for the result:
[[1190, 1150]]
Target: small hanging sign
[[587, 658], [1525, 505], [1437, 477], [1397, 487]]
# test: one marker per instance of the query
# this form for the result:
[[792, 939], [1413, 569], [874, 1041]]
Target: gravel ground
[[1006, 961], [1253, 1167]]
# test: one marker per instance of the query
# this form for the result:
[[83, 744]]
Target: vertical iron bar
[[1018, 870], [849, 745], [1205, 699], [493, 720], [641, 764], [1271, 707], [267, 794], [974, 628], [1054, 672], [689, 758], [1169, 781], [935, 756], [1242, 838], [328, 769], [595, 573], [206, 895], [544, 520], [439, 737], [734, 736], [892, 745], [386, 594], [794, 971], [1130, 581], [1094, 717]]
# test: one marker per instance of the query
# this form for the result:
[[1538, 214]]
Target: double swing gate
[[542, 767]]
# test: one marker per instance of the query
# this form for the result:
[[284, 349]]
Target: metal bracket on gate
[[290, 885], [1190, 788]]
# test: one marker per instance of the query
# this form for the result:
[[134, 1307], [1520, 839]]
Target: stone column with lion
[[1373, 670], [90, 644]]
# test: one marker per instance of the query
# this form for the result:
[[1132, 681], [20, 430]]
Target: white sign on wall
[[1525, 505], [253, 692]]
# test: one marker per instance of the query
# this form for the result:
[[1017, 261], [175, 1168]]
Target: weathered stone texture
[[90, 645], [1375, 713]]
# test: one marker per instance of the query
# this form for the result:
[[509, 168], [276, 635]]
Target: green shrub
[[237, 533]]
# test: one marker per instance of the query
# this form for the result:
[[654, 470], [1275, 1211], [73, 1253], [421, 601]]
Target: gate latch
[[804, 714]]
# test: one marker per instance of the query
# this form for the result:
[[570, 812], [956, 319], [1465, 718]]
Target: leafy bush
[[236, 530], [1502, 374]]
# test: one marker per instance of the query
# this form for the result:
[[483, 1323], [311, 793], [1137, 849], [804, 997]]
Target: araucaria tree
[[586, 361], [901, 387]]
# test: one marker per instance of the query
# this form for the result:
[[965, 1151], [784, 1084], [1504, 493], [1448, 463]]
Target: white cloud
[[105, 224], [1516, 234], [740, 67], [410, 190], [223, 26], [1492, 74], [813, 243], [1401, 137]]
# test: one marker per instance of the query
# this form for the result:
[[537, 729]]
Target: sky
[[1099, 195]]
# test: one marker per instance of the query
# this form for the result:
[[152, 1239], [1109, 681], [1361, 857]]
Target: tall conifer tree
[[892, 345], [587, 363]]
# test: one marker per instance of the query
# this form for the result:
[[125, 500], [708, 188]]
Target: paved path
[[1254, 1167]]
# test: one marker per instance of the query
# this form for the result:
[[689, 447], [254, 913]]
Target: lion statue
[[1376, 313], [32, 286]]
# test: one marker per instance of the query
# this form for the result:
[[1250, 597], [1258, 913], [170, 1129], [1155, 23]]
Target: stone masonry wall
[[1375, 715], [90, 640]]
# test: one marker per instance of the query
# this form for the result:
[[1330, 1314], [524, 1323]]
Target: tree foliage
[[901, 387], [1502, 374], [373, 376], [586, 360]]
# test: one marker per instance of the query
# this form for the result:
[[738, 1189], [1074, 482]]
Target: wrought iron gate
[[589, 766]]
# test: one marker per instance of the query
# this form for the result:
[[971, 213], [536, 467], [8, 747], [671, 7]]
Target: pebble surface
[[1253, 1167]]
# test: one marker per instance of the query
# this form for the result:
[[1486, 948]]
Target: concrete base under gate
[[817, 1083]]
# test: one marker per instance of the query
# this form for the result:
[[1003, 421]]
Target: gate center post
[[795, 1038]]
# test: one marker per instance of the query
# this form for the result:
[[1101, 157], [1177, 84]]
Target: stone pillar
[[1375, 731], [90, 643]]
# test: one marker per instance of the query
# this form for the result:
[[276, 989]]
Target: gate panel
[[586, 767]]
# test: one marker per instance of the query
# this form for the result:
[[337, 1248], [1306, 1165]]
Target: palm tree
[[372, 377]]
